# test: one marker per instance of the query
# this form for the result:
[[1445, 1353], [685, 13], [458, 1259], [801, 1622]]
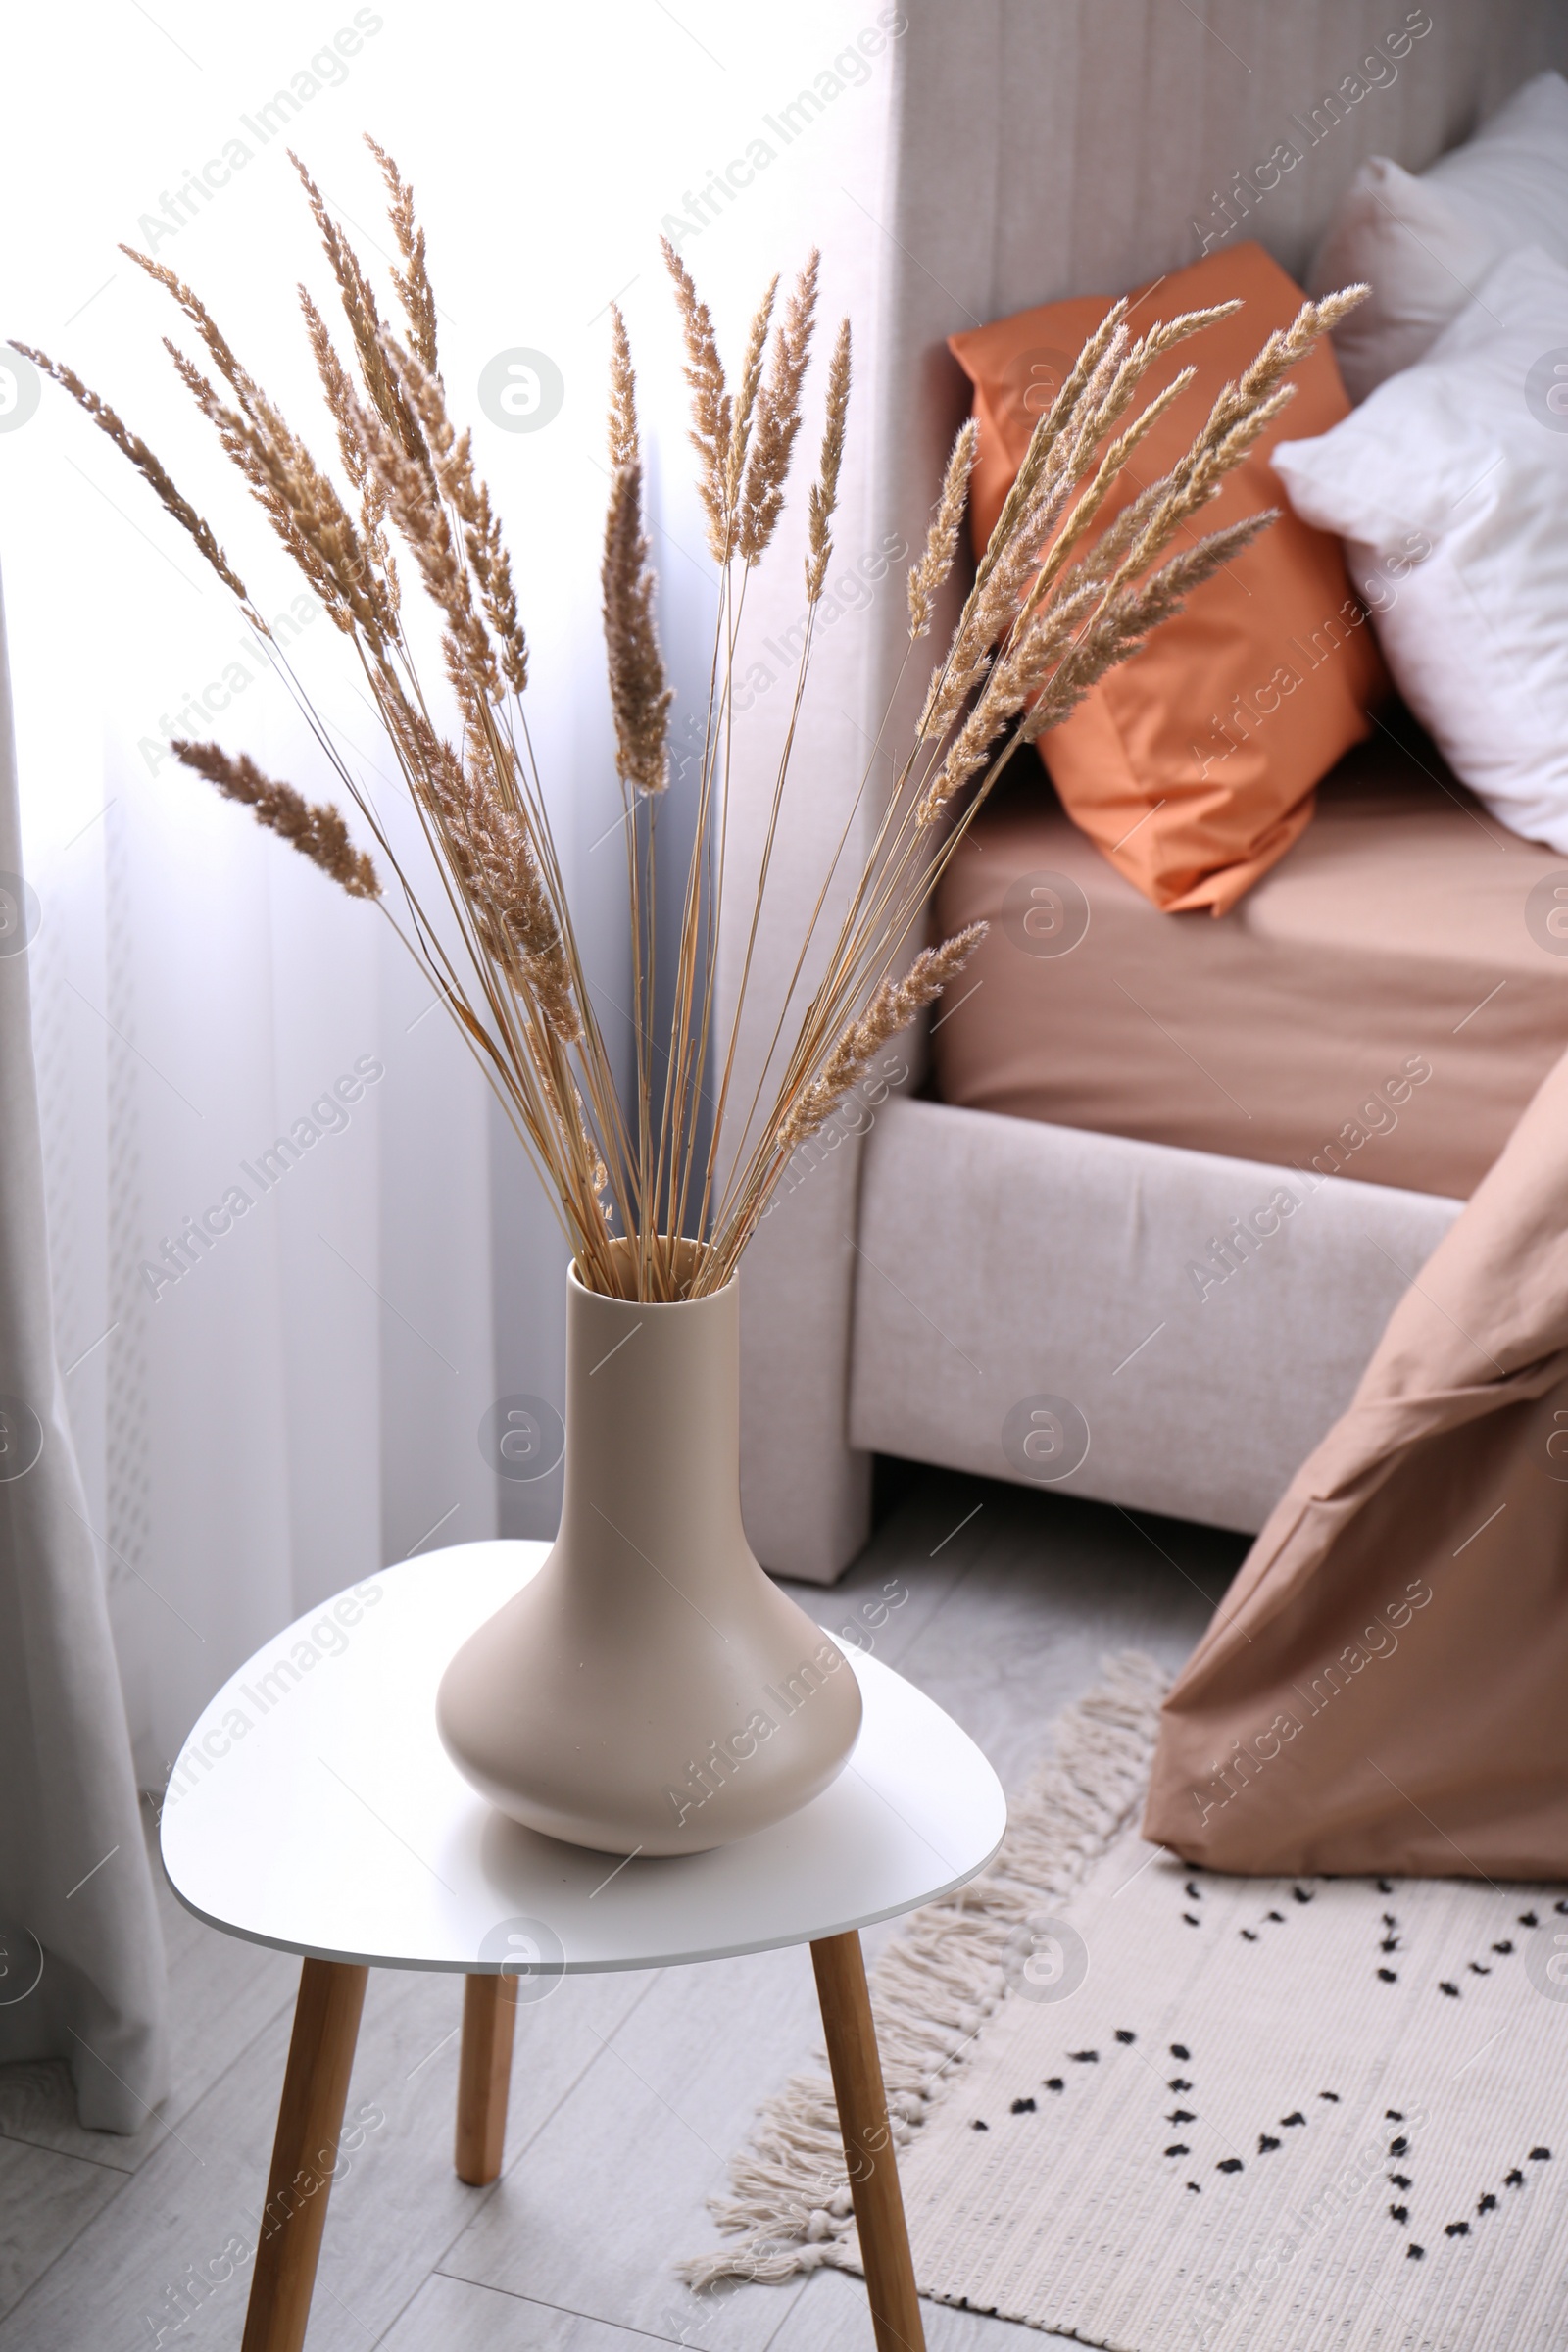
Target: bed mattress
[[1382, 1005]]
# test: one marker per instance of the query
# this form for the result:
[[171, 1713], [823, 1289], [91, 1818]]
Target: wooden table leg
[[868, 2142], [304, 2154], [484, 2075]]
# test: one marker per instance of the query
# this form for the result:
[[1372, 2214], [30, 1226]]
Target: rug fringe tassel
[[789, 2209]]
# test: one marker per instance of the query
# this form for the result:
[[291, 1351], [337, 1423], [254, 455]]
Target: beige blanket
[[1384, 1688]]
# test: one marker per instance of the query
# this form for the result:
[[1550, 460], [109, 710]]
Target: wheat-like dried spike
[[639, 693], [314, 829], [751, 377], [1010, 568], [201, 319], [825, 496], [1128, 616], [1230, 431], [1140, 356], [1094, 496], [1058, 451], [151, 469], [493, 858], [416, 509], [339, 392], [1285, 345], [710, 403], [293, 483], [1238, 416], [598, 1173], [1242, 411], [502, 878], [1048, 660], [320, 543], [411, 280], [301, 502], [1077, 394], [356, 456], [625, 446], [1036, 644], [364, 320], [452, 456], [892, 1007], [779, 420], [942, 539]]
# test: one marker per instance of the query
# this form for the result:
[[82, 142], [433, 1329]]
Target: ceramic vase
[[650, 1690]]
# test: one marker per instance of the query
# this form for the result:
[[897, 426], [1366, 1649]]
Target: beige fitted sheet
[[1382, 1005]]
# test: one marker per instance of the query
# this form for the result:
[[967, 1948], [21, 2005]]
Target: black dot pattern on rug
[[1302, 1893], [1023, 2107], [978, 2126], [1085, 2057], [1294, 2117], [1178, 2083], [1265, 2141], [1330, 2095], [1125, 2034], [1230, 2164], [1179, 2149], [1416, 2253], [1179, 2049], [1486, 2202], [1054, 2083]]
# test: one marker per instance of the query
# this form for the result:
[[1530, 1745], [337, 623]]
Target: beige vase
[[651, 1691]]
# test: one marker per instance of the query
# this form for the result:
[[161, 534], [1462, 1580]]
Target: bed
[[1134, 1220]]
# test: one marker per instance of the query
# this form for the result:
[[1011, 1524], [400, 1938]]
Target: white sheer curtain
[[288, 1391]]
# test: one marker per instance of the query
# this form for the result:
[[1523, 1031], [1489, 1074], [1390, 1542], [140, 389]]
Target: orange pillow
[[1192, 765]]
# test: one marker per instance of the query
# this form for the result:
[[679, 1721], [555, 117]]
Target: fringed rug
[[1165, 2111]]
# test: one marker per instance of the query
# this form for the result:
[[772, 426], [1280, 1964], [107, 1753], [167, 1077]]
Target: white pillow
[[1425, 244], [1449, 487]]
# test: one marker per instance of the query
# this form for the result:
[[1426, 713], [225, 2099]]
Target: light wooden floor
[[629, 2092]]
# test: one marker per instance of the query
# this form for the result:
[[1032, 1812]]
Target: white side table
[[313, 1809]]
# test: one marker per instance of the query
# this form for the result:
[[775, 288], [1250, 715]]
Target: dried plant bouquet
[[1056, 600]]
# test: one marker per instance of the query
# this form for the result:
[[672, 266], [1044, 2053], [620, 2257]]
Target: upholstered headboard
[[1035, 149]]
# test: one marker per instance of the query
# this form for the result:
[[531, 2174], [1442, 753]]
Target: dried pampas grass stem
[[319, 833], [686, 1167]]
